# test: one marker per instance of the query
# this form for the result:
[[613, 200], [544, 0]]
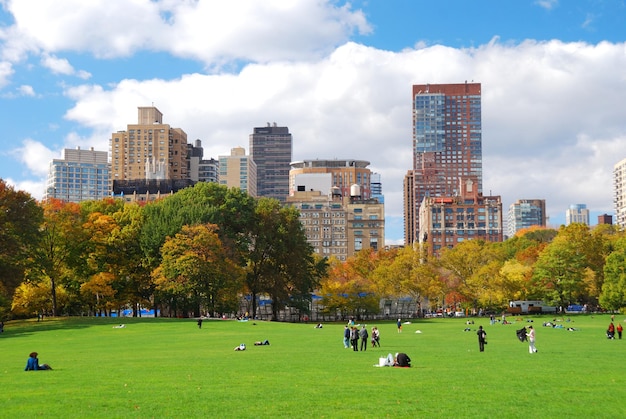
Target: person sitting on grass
[[402, 360], [33, 363], [241, 347]]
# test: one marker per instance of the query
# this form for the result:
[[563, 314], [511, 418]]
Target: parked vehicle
[[529, 307]]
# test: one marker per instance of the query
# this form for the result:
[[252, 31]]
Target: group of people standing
[[352, 335]]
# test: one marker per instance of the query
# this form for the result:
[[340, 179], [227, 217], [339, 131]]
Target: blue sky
[[338, 74]]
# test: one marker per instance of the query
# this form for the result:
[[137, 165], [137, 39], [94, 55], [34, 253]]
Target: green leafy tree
[[20, 218], [60, 247], [280, 261], [206, 202], [197, 271], [613, 295]]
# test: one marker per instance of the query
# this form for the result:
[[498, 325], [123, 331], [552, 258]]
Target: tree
[[60, 247], [20, 218], [116, 259], [413, 273], [613, 296], [469, 268], [559, 272], [348, 287], [33, 298], [206, 202], [280, 261], [197, 272]]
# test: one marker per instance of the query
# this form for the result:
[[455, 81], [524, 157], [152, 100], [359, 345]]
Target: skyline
[[338, 75]]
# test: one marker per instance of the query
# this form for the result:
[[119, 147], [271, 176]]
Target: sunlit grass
[[168, 368]]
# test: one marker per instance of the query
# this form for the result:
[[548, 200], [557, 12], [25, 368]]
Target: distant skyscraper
[[619, 187], [377, 187], [149, 149], [271, 150], [80, 176], [447, 144], [526, 213], [238, 171], [199, 169], [577, 213]]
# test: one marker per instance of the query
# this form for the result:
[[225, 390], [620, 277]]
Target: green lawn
[[168, 368]]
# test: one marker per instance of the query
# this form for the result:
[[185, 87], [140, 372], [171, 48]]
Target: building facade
[[343, 174], [148, 149], [238, 171], [446, 221], [200, 169], [619, 192], [81, 175], [338, 221], [447, 143], [577, 213], [525, 213], [271, 150], [339, 226]]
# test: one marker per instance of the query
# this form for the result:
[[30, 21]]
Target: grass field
[[168, 368]]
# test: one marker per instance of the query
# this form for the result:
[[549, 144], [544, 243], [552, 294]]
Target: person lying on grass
[[402, 360]]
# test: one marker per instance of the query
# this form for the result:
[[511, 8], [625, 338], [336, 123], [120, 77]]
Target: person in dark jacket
[[363, 335], [402, 360], [33, 363], [354, 338], [482, 338]]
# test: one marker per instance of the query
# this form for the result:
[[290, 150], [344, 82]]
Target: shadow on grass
[[32, 326]]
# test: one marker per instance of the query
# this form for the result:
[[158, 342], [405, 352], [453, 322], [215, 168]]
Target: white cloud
[[35, 156], [26, 90], [208, 31], [57, 65], [553, 121], [547, 4], [34, 188], [6, 71]]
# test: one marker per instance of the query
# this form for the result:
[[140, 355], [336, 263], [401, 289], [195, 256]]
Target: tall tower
[[238, 171], [619, 190], [148, 149], [447, 143], [577, 213], [80, 176], [271, 150], [525, 213]]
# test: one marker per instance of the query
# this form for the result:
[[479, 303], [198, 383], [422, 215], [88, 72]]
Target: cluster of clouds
[[553, 112]]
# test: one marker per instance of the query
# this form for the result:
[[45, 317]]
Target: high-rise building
[[447, 143], [200, 169], [336, 224], [148, 150], [343, 174], [376, 186], [80, 175], [271, 150], [238, 171], [619, 187], [525, 213], [446, 221], [577, 213]]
